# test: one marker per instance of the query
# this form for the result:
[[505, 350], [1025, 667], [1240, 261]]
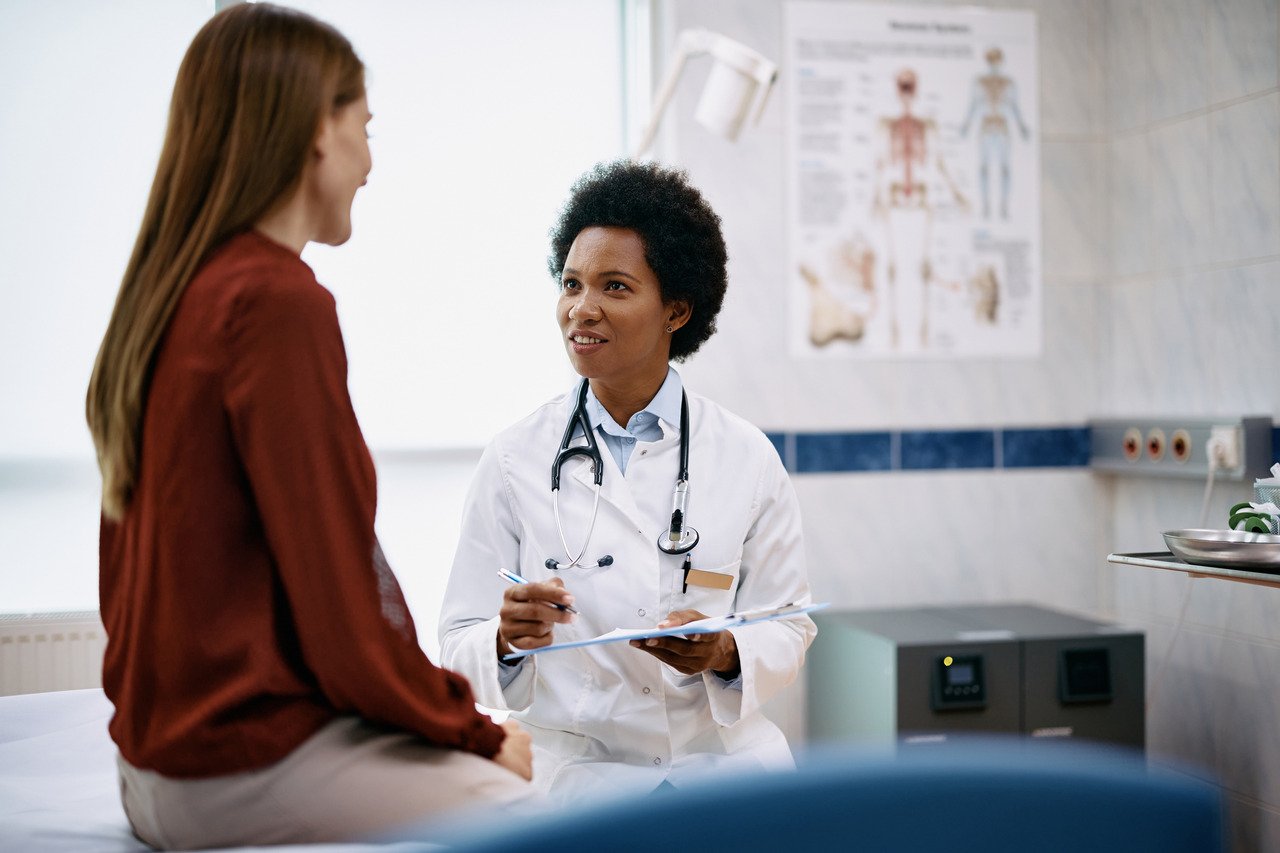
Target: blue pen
[[512, 577]]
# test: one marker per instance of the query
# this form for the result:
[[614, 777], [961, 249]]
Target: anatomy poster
[[914, 171]]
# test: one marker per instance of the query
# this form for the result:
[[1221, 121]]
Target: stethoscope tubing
[[679, 539], [575, 560]]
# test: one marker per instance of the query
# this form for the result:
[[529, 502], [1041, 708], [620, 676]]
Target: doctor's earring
[[670, 330]]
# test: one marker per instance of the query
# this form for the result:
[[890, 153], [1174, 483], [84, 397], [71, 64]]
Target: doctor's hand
[[528, 614], [516, 752], [717, 652]]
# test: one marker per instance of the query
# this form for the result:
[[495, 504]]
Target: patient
[[265, 671]]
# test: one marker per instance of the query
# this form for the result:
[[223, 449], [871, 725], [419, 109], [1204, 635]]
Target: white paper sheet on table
[[709, 625]]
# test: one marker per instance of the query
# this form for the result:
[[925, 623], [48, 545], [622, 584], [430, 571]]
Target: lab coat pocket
[[553, 751], [703, 593]]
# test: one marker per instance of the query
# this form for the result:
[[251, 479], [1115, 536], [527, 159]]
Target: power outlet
[[1181, 447], [1224, 444]]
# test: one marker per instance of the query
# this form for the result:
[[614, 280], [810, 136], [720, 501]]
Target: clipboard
[[709, 625]]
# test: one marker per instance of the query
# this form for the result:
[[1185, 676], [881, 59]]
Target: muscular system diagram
[[996, 96]]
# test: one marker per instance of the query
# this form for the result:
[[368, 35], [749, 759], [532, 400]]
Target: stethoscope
[[679, 539]]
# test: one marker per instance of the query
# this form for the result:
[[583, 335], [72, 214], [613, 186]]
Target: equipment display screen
[[958, 682], [960, 674]]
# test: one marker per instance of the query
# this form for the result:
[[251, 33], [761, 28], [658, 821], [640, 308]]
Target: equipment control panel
[[958, 683]]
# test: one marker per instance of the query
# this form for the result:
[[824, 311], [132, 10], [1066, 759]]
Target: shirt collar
[[665, 405]]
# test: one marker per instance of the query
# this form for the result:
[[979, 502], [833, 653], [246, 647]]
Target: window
[[485, 112]]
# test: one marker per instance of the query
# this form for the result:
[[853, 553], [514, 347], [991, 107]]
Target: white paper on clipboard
[[701, 626]]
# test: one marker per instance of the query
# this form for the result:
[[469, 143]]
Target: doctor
[[641, 268]]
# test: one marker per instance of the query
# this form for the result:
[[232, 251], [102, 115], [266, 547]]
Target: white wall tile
[[1163, 338], [1072, 52], [1182, 230], [1069, 195], [1129, 208], [1247, 339], [1179, 64], [1242, 47], [1246, 694], [1061, 387], [1246, 178], [902, 539], [1127, 68], [1047, 537], [1184, 691]]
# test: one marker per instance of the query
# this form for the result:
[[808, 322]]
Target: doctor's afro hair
[[681, 234]]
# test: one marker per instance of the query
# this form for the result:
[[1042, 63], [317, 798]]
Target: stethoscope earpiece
[[553, 565]]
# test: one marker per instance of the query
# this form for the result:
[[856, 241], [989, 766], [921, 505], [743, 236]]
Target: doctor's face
[[611, 312]]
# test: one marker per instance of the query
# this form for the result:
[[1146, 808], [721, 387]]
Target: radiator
[[40, 652]]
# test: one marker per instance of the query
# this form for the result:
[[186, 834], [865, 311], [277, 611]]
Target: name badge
[[710, 580]]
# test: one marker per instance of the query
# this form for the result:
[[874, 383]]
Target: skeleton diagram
[[999, 95], [906, 165]]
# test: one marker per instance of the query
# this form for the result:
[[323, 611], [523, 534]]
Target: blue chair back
[[978, 797]]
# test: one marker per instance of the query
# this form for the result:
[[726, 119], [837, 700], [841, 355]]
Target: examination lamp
[[739, 85]]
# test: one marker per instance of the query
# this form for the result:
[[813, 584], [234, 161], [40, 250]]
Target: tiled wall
[[908, 472], [1160, 134], [1192, 299]]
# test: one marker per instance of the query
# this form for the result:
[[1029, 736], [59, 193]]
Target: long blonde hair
[[249, 99]]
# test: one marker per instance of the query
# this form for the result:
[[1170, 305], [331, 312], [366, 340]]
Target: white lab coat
[[608, 718]]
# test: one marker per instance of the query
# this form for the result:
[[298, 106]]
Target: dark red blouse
[[245, 598]]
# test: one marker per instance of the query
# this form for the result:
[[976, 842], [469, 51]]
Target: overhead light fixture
[[738, 85]]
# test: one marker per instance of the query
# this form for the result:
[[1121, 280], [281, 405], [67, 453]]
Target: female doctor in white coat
[[640, 263]]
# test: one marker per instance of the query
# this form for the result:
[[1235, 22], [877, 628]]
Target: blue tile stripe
[[1275, 444], [1064, 447], [932, 450], [818, 452]]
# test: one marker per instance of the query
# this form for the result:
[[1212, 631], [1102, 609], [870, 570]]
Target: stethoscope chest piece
[[680, 538], [682, 543]]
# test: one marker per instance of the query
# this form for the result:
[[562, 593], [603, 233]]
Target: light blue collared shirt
[[643, 425]]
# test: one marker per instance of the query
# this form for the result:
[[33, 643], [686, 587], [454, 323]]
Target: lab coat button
[[645, 691], [640, 612], [657, 761]]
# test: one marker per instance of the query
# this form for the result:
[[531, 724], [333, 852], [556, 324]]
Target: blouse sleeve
[[312, 479]]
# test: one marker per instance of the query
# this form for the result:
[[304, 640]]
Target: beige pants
[[346, 782]]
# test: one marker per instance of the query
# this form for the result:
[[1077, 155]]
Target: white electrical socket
[[1224, 443]]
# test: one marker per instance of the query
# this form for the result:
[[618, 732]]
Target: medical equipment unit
[[680, 537], [925, 674]]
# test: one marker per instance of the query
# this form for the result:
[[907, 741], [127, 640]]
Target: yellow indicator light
[[946, 661]]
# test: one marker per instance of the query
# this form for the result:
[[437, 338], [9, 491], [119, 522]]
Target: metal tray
[[1225, 548]]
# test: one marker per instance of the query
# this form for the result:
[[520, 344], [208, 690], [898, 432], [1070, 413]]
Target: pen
[[512, 577]]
